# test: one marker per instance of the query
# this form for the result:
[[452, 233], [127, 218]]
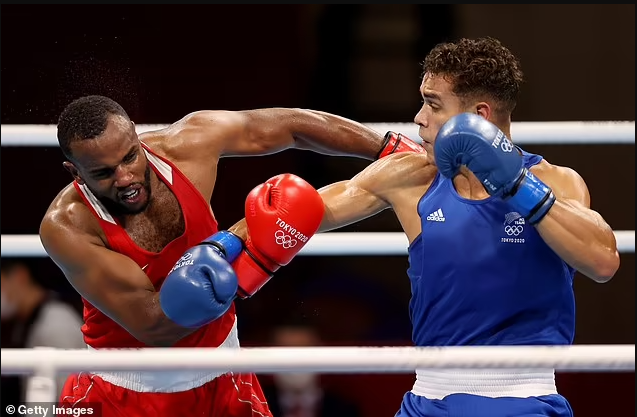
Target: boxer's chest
[[161, 223]]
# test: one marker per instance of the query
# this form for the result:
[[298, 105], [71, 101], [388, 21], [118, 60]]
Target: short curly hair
[[477, 68], [85, 118]]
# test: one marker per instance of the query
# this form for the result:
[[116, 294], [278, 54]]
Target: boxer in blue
[[496, 235]]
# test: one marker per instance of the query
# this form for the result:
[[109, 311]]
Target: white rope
[[323, 359], [323, 244], [605, 133]]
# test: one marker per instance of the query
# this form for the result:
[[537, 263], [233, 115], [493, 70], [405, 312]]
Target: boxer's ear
[[483, 109], [73, 171], [134, 128]]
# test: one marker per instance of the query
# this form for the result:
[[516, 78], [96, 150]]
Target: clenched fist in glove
[[471, 140], [201, 286], [281, 215]]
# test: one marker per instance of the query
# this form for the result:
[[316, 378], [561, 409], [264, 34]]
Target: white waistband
[[521, 383], [167, 381]]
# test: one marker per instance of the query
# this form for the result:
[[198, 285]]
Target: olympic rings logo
[[506, 145], [284, 240], [513, 230]]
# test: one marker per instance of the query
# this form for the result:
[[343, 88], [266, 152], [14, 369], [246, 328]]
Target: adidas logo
[[436, 216]]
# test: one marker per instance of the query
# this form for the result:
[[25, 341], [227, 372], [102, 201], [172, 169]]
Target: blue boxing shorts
[[468, 405], [483, 394]]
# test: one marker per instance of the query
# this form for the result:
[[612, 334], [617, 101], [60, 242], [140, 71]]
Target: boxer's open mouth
[[131, 195]]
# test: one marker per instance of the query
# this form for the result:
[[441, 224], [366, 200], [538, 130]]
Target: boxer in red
[[135, 235]]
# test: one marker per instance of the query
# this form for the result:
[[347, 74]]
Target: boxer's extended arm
[[576, 233], [396, 181], [267, 131], [388, 182], [348, 202], [112, 282], [370, 191]]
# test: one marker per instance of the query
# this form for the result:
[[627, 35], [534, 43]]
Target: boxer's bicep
[[271, 130], [108, 280], [372, 190], [216, 133]]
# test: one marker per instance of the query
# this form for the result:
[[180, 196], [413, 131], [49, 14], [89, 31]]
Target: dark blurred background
[[358, 61]]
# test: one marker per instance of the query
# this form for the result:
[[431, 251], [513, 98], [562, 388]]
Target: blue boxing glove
[[201, 286], [471, 140]]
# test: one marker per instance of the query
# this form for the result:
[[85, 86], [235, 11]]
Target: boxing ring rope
[[536, 133], [322, 244], [571, 358], [44, 363]]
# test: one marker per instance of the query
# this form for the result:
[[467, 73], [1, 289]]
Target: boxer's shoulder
[[566, 182], [542, 166], [545, 168], [69, 213], [194, 136]]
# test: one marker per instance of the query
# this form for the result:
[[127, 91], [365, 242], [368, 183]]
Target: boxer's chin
[[135, 204]]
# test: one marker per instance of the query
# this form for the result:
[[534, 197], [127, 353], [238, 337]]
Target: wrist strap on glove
[[396, 143], [252, 273], [531, 197], [229, 244]]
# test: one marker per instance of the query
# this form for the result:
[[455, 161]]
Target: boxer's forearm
[[271, 130], [158, 330], [582, 239], [335, 135], [346, 203], [240, 229]]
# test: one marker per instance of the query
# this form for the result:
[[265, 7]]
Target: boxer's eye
[[130, 157], [101, 174]]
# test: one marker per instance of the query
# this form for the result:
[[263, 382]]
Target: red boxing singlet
[[102, 332], [163, 393]]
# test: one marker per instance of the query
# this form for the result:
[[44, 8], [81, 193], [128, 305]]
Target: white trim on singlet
[[164, 169], [97, 206]]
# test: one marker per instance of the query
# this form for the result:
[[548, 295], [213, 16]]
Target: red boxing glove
[[396, 143], [281, 215]]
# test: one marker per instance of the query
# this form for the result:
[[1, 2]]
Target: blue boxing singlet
[[481, 276]]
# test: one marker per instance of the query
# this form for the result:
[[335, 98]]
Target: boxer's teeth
[[130, 194]]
